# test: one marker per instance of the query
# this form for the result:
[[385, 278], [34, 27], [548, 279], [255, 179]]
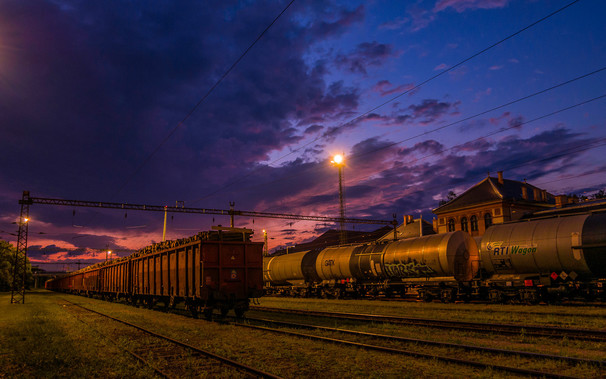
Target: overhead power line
[[206, 95], [572, 150], [241, 178], [478, 114], [526, 97]]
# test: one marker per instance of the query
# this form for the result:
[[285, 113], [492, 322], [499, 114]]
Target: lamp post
[[265, 247], [108, 253], [339, 161]]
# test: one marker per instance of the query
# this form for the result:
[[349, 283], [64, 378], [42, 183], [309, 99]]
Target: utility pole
[[265, 247], [164, 229], [231, 213], [339, 162], [20, 258]]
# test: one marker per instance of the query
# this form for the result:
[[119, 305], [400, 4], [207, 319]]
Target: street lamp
[[108, 253], [339, 161]]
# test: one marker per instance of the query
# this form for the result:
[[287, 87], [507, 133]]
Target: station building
[[491, 201]]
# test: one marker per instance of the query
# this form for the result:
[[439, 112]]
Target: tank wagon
[[367, 269], [528, 261], [545, 259], [219, 269]]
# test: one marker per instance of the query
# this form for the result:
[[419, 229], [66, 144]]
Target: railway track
[[383, 337], [517, 311], [529, 330], [418, 354], [168, 357]]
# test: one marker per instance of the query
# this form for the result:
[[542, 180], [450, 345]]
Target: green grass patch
[[44, 339], [41, 339]]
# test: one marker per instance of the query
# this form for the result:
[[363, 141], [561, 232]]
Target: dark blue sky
[[90, 90]]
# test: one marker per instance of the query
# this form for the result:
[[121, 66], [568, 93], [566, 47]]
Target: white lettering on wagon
[[498, 248]]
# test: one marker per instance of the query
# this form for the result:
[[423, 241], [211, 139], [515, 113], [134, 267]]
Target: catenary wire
[[354, 156], [496, 132], [199, 103], [242, 177], [560, 154]]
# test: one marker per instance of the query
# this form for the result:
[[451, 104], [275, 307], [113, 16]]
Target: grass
[[559, 316], [43, 339], [40, 339]]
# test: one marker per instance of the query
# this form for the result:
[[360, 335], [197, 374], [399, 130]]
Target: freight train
[[527, 261], [218, 269]]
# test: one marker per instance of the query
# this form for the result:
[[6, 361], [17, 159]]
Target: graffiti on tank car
[[329, 262], [411, 269], [498, 248]]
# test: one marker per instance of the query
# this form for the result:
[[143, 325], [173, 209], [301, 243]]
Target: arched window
[[474, 223], [464, 224], [451, 225], [487, 220]]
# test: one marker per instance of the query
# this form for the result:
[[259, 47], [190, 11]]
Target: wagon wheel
[[172, 302], [208, 313], [240, 312], [193, 308], [150, 302]]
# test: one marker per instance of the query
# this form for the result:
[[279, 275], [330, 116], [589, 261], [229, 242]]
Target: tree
[[7, 256], [451, 196], [599, 195]]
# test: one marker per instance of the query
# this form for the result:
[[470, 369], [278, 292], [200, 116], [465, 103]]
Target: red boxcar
[[220, 269]]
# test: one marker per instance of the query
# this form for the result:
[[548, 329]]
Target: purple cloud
[[385, 88], [365, 54], [463, 5]]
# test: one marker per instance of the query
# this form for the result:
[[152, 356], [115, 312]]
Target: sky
[[153, 102]]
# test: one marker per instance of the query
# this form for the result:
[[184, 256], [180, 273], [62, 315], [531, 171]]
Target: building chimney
[[524, 193], [500, 174], [421, 225], [408, 219]]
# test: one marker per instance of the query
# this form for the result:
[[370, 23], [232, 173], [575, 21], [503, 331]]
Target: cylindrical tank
[[450, 254], [283, 267], [573, 245], [333, 262]]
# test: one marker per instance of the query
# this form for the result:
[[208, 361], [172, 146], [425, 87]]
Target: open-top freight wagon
[[220, 269]]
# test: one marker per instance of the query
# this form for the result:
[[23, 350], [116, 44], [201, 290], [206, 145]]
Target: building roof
[[490, 189], [332, 237], [410, 230], [593, 206]]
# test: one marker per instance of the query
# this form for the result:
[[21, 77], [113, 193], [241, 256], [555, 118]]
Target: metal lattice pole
[[343, 233], [20, 260]]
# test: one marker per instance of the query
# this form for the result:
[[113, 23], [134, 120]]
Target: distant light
[[338, 159], [109, 252], [25, 219], [263, 230]]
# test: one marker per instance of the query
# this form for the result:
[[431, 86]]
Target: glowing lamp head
[[337, 159], [25, 219]]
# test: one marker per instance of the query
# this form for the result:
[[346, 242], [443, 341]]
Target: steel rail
[[496, 311], [121, 347], [533, 330], [417, 354], [526, 354], [237, 365]]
